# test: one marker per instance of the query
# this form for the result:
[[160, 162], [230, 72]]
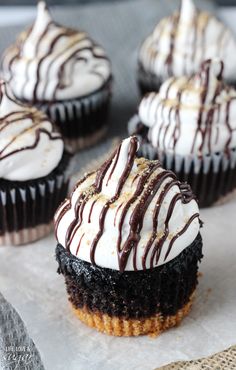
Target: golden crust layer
[[120, 327], [26, 236], [73, 145]]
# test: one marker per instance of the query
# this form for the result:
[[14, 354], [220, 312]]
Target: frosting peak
[[182, 41], [114, 172], [51, 62], [187, 11], [195, 115], [29, 147], [130, 214], [42, 21]]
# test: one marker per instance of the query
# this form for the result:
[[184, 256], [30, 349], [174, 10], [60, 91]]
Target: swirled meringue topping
[[181, 42], [195, 115], [29, 147], [130, 214], [50, 62]]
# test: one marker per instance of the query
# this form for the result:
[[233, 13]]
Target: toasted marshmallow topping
[[29, 146], [51, 62], [181, 42], [130, 214], [195, 115]]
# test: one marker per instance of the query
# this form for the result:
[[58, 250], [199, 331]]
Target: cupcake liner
[[147, 81], [127, 295], [121, 327], [210, 177], [27, 208], [82, 121]]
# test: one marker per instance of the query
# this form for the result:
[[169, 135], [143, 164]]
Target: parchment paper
[[28, 276]]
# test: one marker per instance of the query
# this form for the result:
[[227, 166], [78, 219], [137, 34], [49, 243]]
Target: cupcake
[[190, 125], [129, 246], [180, 43], [33, 171], [66, 74]]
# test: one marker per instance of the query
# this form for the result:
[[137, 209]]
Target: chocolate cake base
[[158, 298]]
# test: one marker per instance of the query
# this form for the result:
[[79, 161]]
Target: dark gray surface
[[226, 2], [56, 2], [76, 2]]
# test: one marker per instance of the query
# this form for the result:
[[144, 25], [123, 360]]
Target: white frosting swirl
[[50, 62], [131, 214], [29, 147], [194, 115], [181, 42]]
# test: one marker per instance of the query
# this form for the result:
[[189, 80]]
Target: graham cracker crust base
[[73, 145], [152, 326], [26, 236]]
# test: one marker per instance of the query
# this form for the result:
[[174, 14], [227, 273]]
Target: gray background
[[64, 2]]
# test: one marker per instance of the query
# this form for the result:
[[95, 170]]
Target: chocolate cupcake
[[129, 246], [190, 125], [66, 74], [33, 171], [180, 43]]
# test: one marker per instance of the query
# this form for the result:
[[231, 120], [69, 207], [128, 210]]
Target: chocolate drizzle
[[152, 184], [169, 60], [204, 125], [24, 112], [209, 85], [128, 167]]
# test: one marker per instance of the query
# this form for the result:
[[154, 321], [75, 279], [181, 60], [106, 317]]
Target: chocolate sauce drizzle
[[209, 111], [147, 185], [25, 113], [169, 59]]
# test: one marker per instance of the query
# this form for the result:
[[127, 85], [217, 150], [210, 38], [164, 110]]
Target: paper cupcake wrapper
[[163, 290], [27, 208], [210, 177], [147, 81], [82, 121]]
